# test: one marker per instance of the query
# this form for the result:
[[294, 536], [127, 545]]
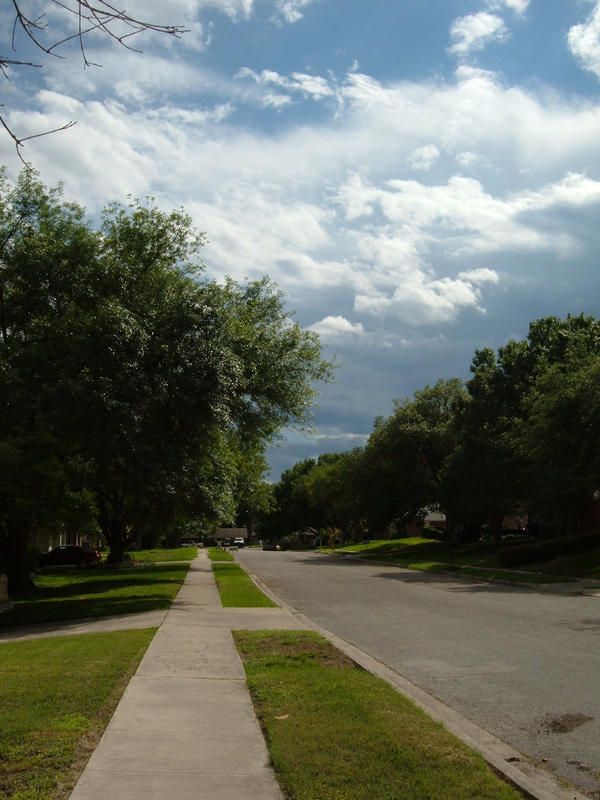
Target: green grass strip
[[174, 554], [57, 696], [483, 573], [336, 732], [218, 554], [385, 545], [584, 565], [73, 593], [236, 589]]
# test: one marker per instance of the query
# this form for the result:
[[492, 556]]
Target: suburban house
[[228, 534], [47, 540]]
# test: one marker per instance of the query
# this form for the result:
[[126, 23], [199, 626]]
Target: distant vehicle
[[239, 541], [72, 554], [269, 546]]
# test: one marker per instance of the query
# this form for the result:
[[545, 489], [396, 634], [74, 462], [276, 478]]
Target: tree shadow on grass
[[103, 592]]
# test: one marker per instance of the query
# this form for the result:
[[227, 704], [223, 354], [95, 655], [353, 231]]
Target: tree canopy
[[518, 438], [124, 371]]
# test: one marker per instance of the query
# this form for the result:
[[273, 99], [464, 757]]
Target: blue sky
[[420, 177]]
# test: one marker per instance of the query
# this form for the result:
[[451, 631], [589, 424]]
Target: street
[[522, 663]]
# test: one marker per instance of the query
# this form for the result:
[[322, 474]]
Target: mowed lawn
[[336, 732], [172, 554], [236, 588], [476, 559], [56, 696], [98, 591]]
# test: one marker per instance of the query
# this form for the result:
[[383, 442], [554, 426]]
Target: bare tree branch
[[91, 16]]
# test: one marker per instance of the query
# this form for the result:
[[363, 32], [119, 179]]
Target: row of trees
[[521, 435], [135, 394]]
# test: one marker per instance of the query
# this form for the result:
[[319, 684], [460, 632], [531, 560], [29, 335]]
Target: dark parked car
[[69, 554]]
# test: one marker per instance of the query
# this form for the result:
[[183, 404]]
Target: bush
[[547, 549]]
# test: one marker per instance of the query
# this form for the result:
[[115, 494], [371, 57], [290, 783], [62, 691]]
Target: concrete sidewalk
[[185, 728]]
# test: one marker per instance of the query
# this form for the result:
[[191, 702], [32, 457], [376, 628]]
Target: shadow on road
[[451, 581]]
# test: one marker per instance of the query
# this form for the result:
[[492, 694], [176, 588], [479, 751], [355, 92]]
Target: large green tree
[[291, 510], [559, 442], [335, 489], [406, 454], [135, 367], [506, 423]]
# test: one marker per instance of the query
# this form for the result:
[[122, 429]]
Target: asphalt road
[[522, 663]]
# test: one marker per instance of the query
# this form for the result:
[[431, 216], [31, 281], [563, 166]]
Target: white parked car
[[239, 541]]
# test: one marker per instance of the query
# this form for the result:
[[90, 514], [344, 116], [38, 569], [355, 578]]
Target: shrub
[[547, 549]]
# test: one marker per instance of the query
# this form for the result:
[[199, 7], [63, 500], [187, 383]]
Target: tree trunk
[[117, 533], [14, 549]]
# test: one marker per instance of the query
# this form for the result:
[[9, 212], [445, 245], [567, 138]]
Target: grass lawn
[[175, 554], [74, 593], [488, 574], [584, 565], [218, 554], [236, 589], [385, 545], [335, 731], [477, 559], [57, 696]]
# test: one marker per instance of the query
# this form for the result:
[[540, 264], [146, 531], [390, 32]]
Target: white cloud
[[423, 158], [467, 159], [332, 328], [419, 301], [334, 205], [235, 9], [584, 41], [518, 6], [310, 86], [475, 31], [290, 10], [481, 275], [275, 100], [134, 78]]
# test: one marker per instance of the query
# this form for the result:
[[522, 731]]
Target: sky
[[421, 178]]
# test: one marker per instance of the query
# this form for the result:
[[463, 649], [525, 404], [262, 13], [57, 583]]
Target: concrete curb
[[524, 773]]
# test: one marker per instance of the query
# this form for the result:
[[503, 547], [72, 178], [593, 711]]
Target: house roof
[[231, 533]]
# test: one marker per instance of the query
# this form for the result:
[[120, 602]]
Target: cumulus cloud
[[475, 31], [419, 301], [481, 275], [423, 158], [335, 206], [309, 86], [518, 6], [584, 41], [291, 10], [332, 328], [235, 9], [467, 159]]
